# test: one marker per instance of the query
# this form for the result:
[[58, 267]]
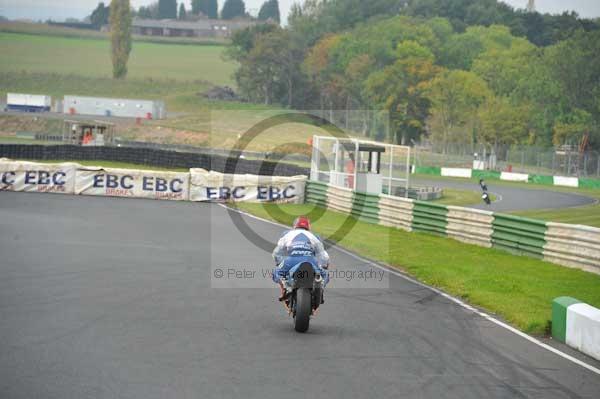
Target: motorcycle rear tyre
[[303, 310]]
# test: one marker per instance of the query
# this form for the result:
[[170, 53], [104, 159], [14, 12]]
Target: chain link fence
[[564, 161]]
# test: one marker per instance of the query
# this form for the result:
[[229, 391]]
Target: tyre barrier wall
[[429, 218], [150, 157], [518, 235], [196, 185], [574, 246], [567, 245], [576, 324], [518, 177]]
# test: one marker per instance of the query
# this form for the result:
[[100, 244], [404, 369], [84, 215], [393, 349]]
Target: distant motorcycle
[[304, 286], [486, 198]]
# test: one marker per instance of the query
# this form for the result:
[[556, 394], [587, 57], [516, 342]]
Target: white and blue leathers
[[298, 243]]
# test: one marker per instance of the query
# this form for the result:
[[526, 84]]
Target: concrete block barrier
[[576, 324]]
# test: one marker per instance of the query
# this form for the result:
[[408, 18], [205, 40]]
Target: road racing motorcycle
[[304, 285]]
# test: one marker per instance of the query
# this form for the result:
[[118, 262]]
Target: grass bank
[[91, 57], [461, 197], [518, 289]]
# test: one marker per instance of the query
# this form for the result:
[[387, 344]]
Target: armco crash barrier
[[214, 186], [576, 324], [567, 245]]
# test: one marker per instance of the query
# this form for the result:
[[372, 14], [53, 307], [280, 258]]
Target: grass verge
[[461, 197], [518, 289]]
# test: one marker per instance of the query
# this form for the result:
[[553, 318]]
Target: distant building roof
[[200, 24]]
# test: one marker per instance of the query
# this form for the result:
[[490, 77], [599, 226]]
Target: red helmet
[[302, 223]]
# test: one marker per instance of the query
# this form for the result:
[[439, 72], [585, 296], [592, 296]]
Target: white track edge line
[[445, 295]]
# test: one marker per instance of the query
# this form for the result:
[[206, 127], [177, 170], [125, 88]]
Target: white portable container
[[28, 102]]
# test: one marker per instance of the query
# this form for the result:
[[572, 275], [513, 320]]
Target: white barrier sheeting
[[37, 177], [566, 181], [132, 183], [457, 172], [583, 329], [514, 177], [214, 186]]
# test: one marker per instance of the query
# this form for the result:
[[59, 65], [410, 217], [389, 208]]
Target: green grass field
[[175, 73], [461, 197], [91, 58], [585, 215], [518, 289]]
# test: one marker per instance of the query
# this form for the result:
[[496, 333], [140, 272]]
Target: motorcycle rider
[[298, 242]]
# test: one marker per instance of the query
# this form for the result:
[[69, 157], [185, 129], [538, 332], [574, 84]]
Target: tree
[[575, 65], [503, 68], [502, 122], [210, 8], [182, 12], [167, 9], [401, 89], [572, 127], [233, 9], [149, 12], [269, 10], [455, 97], [120, 36], [99, 16]]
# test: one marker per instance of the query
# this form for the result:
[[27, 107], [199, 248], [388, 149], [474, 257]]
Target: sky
[[44, 9]]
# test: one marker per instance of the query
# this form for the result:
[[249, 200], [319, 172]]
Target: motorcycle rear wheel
[[303, 310]]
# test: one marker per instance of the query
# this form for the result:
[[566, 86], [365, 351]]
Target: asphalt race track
[[112, 298], [512, 198]]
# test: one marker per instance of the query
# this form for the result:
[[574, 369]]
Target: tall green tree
[[182, 12], [401, 89], [210, 8], [270, 10], [571, 128], [233, 9], [575, 65], [455, 97], [149, 12], [502, 123], [99, 16], [120, 36], [167, 9]]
